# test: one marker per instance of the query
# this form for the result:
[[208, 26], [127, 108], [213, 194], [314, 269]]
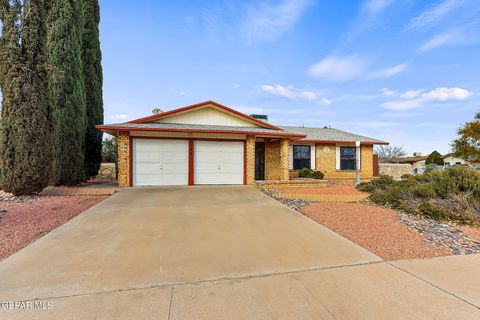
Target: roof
[[201, 105], [180, 127], [314, 135], [409, 159], [330, 135]]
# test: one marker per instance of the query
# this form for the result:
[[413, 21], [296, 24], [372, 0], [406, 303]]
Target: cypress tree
[[66, 90], [25, 130], [92, 73]]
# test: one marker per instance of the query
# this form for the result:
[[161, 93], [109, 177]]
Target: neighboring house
[[418, 163], [208, 143], [450, 160]]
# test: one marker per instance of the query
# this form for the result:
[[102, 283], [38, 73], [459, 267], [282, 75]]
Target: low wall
[[395, 170], [107, 171]]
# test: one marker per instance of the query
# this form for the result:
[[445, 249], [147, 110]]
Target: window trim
[[342, 159], [309, 156]]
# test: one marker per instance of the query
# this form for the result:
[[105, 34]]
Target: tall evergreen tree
[[93, 77], [66, 90], [25, 129]]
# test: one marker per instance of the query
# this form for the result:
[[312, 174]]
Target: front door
[[259, 160]]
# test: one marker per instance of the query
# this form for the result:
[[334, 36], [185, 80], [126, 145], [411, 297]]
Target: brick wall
[[250, 156], [123, 159], [326, 162], [276, 160]]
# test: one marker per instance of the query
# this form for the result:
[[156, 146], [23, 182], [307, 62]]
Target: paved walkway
[[220, 253]]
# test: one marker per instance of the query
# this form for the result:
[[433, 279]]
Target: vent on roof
[[157, 111], [261, 117], [417, 154]]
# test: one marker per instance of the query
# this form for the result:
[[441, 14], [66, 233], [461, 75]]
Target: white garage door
[[160, 162], [218, 162]]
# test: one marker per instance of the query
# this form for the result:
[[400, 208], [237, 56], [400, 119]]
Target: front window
[[301, 157], [347, 158]]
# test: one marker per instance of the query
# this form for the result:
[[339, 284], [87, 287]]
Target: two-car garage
[[157, 162]]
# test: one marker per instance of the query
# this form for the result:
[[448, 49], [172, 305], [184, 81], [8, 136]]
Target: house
[[208, 143], [450, 159], [418, 162]]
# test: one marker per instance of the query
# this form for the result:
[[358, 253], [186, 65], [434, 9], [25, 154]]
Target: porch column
[[123, 159], [284, 158], [250, 160]]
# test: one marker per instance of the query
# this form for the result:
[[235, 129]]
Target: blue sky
[[403, 71]]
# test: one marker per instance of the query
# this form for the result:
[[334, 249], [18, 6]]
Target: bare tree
[[389, 153]]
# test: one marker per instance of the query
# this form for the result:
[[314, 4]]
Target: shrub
[[453, 193], [380, 183], [305, 173], [406, 176], [317, 175], [426, 190], [429, 210]]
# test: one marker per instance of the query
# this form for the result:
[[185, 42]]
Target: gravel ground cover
[[459, 239], [29, 218], [376, 229], [390, 234]]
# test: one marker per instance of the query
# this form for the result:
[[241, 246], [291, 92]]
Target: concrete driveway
[[212, 253]]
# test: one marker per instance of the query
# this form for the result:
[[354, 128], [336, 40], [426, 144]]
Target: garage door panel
[[160, 162], [219, 162]]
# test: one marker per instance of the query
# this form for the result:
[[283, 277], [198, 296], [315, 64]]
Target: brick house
[[208, 143]]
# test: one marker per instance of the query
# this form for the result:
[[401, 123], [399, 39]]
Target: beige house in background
[[208, 143]]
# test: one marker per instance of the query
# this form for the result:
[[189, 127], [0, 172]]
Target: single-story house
[[450, 160], [208, 143], [418, 163]]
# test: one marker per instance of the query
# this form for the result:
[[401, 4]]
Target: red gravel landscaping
[[376, 229], [29, 219]]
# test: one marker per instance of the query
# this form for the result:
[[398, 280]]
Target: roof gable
[[206, 113]]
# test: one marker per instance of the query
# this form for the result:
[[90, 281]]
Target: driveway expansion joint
[[212, 281], [434, 285]]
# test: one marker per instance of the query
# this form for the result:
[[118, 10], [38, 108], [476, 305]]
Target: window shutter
[[338, 158], [312, 157]]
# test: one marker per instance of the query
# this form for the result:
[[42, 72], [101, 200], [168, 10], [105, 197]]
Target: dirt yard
[[30, 218]]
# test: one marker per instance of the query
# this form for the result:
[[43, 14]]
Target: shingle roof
[[330, 134], [195, 127], [312, 134]]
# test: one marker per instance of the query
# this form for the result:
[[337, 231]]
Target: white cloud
[[387, 92], [122, 117], [414, 99], [338, 68], [429, 17], [269, 21], [388, 72], [325, 102], [444, 93], [289, 92], [409, 94], [452, 37], [376, 6], [237, 85]]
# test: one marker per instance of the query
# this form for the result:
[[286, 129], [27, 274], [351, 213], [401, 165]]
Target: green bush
[[376, 184], [452, 193], [431, 211], [317, 175], [424, 191], [305, 173]]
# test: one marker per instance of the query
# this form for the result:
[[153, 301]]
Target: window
[[347, 158], [301, 157]]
